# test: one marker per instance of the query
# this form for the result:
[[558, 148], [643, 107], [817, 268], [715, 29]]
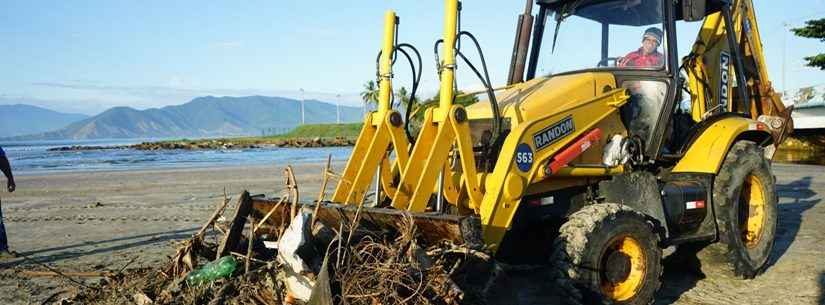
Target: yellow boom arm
[[443, 126], [381, 128]]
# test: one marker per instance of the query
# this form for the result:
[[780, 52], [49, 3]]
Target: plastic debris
[[221, 268]]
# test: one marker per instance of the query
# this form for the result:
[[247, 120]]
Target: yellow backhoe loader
[[609, 148]]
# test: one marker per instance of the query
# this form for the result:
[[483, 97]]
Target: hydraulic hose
[[416, 80], [485, 79], [437, 57], [378, 73]]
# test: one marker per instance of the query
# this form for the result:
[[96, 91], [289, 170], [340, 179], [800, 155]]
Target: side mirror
[[693, 10]]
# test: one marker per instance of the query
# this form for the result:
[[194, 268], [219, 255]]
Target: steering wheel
[[605, 62]]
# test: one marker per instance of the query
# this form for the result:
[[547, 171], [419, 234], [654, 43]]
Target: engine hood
[[544, 96]]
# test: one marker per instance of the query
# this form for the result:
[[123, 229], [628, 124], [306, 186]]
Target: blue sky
[[86, 56]]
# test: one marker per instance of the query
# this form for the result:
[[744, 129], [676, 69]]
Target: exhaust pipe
[[521, 44]]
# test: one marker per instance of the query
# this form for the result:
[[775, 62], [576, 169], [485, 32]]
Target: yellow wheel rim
[[629, 287], [752, 211]]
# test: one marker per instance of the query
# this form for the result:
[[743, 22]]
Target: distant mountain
[[19, 119], [202, 117]]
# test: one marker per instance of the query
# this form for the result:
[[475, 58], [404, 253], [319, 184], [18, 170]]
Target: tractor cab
[[632, 40]]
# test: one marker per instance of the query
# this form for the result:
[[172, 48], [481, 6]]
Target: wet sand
[[104, 220]]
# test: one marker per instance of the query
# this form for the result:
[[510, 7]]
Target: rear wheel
[[609, 254], [744, 196]]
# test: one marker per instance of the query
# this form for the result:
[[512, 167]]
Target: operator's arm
[[621, 62], [627, 60], [5, 167]]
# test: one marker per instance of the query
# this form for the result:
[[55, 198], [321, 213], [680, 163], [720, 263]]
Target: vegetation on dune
[[348, 130], [308, 131]]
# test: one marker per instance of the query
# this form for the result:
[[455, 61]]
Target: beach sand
[[100, 221]]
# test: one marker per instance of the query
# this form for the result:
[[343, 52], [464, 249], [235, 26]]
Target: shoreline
[[148, 169], [185, 166]]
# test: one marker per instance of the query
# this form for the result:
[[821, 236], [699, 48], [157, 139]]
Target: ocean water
[[33, 157]]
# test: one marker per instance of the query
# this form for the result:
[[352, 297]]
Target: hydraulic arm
[[726, 56], [443, 126], [383, 130]]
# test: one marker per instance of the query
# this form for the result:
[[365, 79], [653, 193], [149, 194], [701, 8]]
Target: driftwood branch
[[249, 239], [215, 215], [292, 187], [269, 214], [325, 174]]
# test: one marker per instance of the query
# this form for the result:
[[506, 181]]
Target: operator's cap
[[655, 33]]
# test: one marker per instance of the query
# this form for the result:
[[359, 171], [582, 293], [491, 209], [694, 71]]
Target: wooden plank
[[233, 236]]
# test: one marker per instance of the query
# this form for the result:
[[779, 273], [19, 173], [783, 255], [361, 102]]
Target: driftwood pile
[[345, 265], [401, 271]]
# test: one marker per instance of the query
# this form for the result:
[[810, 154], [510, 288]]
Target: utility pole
[[338, 109], [303, 118], [784, 57]]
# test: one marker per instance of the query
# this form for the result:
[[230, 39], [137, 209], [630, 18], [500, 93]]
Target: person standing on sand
[[5, 167]]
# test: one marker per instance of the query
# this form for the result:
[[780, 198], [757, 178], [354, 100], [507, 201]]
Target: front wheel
[[744, 195], [609, 254]]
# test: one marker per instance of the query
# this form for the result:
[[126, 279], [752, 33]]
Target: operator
[[648, 54], [647, 96], [5, 167]]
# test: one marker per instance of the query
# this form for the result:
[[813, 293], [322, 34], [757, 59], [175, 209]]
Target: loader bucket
[[432, 228]]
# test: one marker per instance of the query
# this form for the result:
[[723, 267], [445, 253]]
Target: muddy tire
[[608, 254], [744, 197]]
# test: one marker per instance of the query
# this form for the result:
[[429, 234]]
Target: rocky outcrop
[[222, 144]]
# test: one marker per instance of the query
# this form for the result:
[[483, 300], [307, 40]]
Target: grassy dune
[[350, 130]]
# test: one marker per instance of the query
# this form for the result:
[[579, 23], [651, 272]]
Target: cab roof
[[627, 12]]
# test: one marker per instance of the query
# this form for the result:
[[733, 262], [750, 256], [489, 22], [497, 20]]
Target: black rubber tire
[[583, 241], [730, 255]]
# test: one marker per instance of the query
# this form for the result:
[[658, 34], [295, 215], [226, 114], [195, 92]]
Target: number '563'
[[524, 157]]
